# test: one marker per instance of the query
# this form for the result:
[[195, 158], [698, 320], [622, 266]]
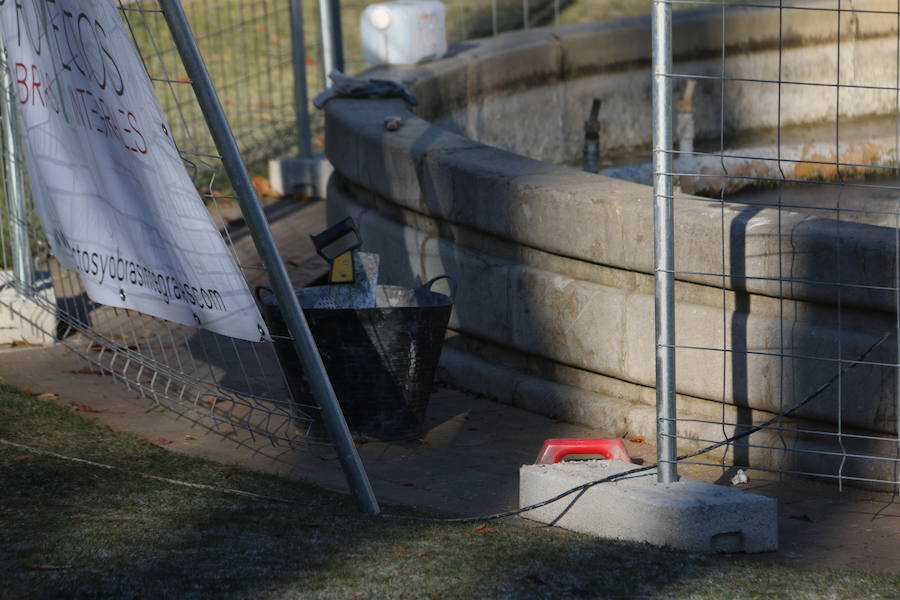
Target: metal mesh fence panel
[[233, 387], [785, 165], [247, 46]]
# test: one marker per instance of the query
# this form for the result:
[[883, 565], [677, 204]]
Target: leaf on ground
[[398, 548], [48, 397], [209, 193], [80, 407], [161, 442], [483, 528], [637, 439], [309, 61], [46, 567], [806, 518], [86, 370], [263, 187], [424, 443], [21, 343], [26, 390], [188, 437], [22, 458]]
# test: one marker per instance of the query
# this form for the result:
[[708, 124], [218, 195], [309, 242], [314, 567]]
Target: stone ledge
[[543, 206]]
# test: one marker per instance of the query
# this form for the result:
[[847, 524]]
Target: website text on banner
[[116, 202]]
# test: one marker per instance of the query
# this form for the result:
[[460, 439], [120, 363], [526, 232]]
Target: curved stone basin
[[555, 307]]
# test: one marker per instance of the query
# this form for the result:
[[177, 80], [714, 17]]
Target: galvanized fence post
[[14, 186], [332, 42], [664, 240], [262, 238], [301, 100]]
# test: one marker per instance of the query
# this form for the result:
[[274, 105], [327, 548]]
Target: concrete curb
[[687, 515]]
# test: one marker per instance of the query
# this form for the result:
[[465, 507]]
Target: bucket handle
[[450, 280], [262, 288]]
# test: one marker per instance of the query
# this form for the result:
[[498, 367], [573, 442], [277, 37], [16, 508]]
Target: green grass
[[71, 530]]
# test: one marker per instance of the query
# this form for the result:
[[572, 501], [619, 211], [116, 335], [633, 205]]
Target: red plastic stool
[[554, 451]]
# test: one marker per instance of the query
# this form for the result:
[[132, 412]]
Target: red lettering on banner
[[132, 119], [106, 120], [22, 80], [36, 86]]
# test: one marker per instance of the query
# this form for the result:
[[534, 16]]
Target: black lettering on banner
[[119, 87], [118, 267], [75, 42], [85, 39], [217, 297], [23, 23], [70, 36], [59, 48]]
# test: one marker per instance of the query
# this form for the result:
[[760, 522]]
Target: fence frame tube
[[265, 245], [332, 42], [301, 99], [664, 241], [14, 186]]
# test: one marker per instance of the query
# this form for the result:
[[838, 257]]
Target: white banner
[[116, 202]]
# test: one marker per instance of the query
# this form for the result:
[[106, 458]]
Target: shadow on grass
[[74, 530]]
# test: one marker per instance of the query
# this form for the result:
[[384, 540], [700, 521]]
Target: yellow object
[[342, 268]]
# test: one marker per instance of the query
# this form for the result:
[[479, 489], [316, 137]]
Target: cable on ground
[[650, 467], [201, 486], [481, 518]]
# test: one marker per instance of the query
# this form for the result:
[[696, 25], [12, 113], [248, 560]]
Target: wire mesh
[[790, 132], [247, 46], [232, 386]]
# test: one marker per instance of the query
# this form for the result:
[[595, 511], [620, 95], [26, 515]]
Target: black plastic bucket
[[381, 361]]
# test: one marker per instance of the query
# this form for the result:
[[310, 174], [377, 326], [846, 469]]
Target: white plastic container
[[403, 33]]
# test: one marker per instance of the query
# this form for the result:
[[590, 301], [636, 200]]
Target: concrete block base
[[687, 515], [23, 320], [300, 175]]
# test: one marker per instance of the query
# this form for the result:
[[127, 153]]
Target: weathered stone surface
[[535, 245], [607, 329]]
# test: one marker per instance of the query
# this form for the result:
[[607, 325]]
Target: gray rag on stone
[[356, 87]]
